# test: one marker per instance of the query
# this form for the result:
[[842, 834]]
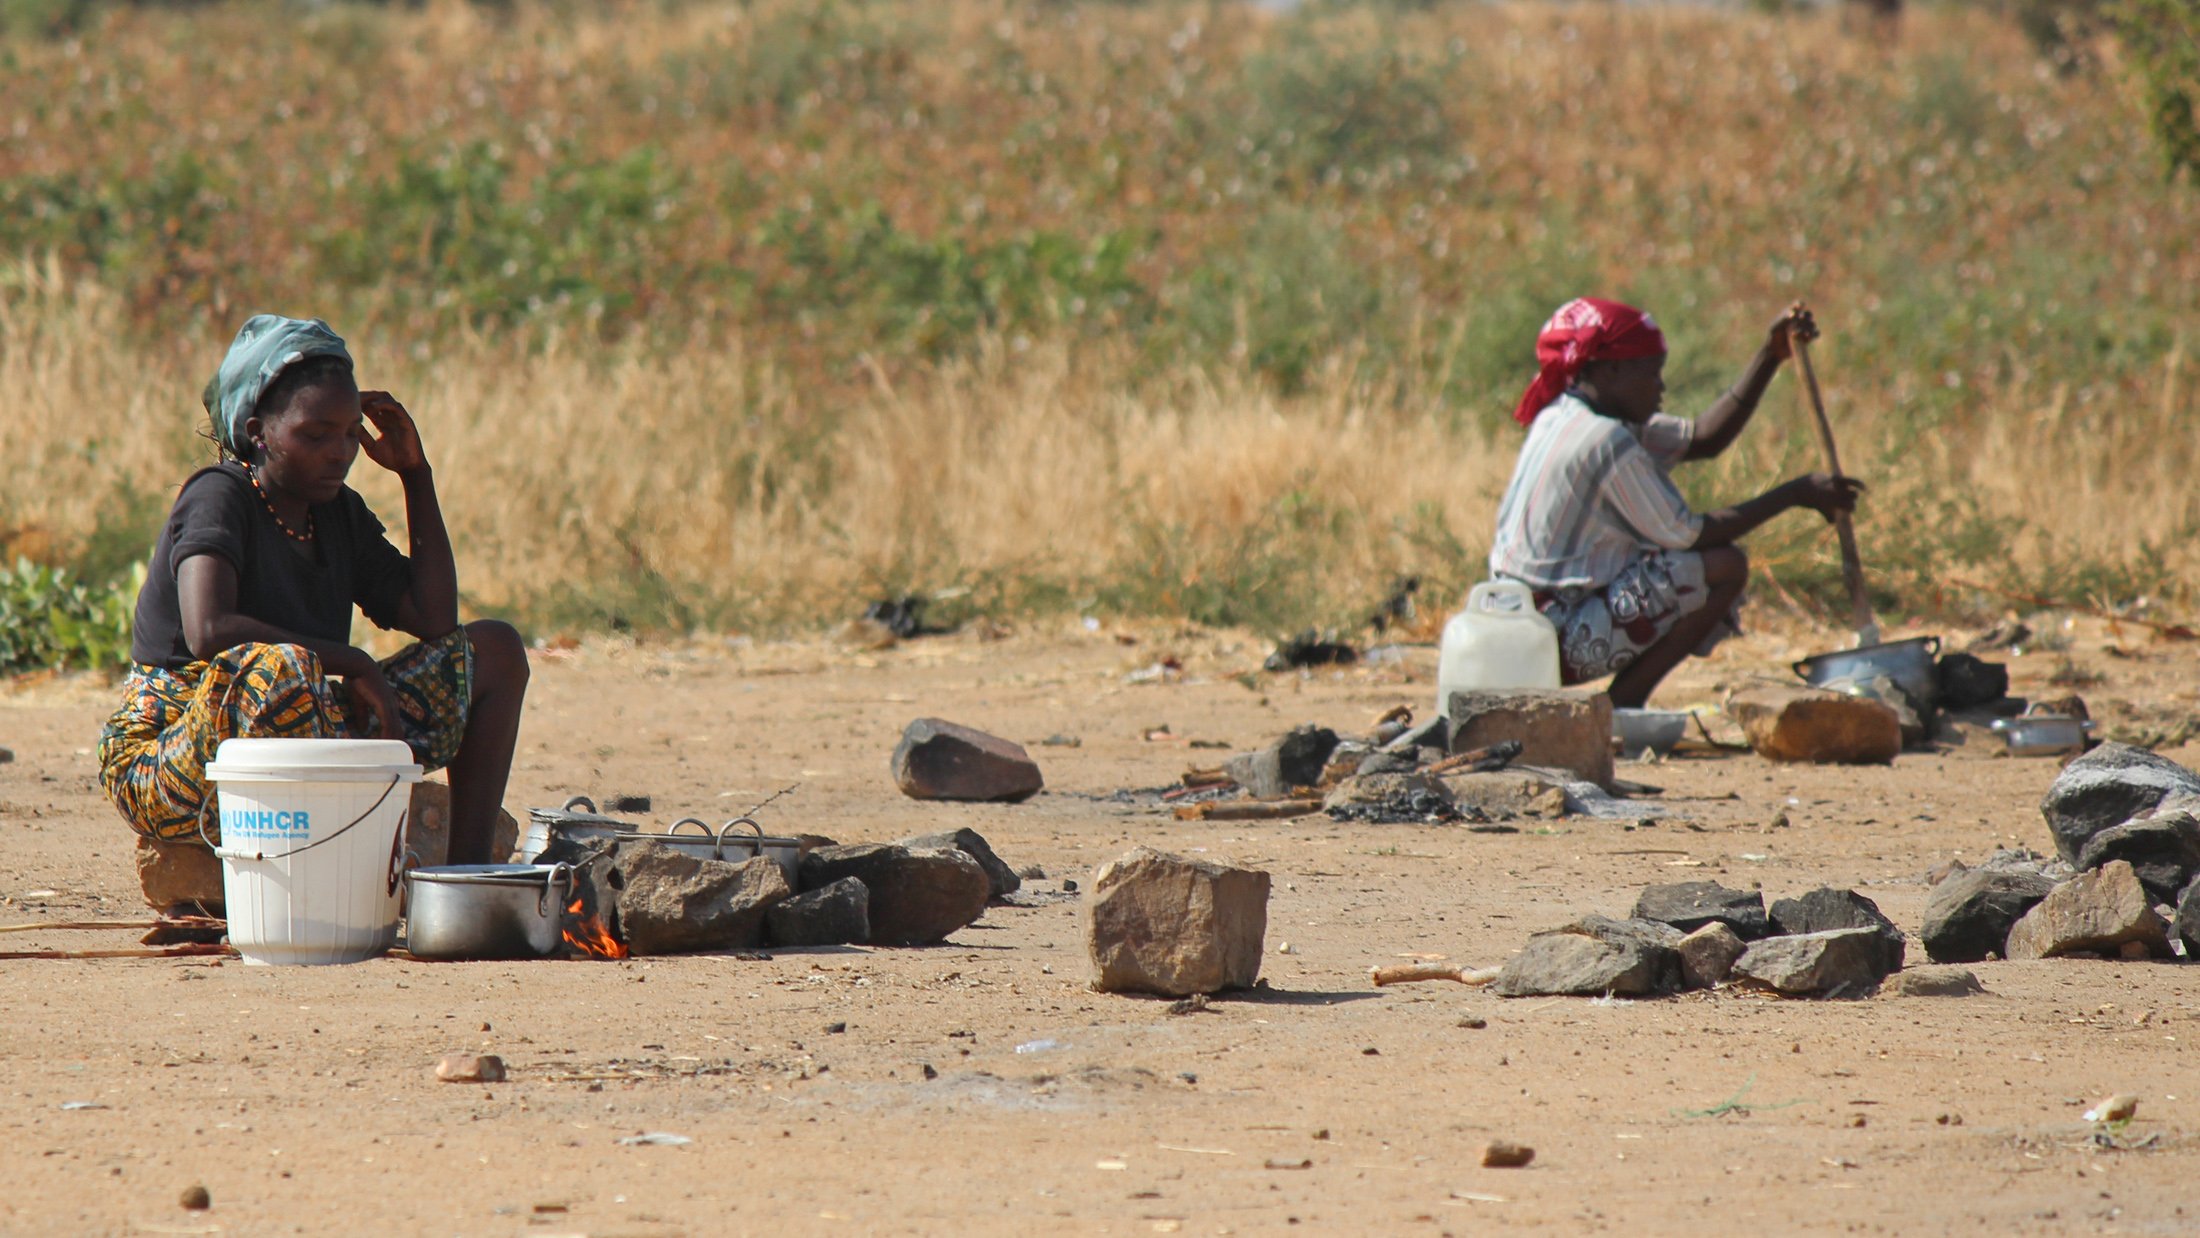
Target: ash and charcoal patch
[[1416, 806]]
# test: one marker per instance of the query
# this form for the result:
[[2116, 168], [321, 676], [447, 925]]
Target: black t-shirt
[[219, 513]]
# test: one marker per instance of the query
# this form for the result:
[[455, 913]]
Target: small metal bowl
[[2043, 735], [1648, 730]]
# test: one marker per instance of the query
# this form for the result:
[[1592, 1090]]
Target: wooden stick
[[1852, 562], [1407, 973], [60, 925], [1247, 810], [1496, 756], [187, 950]]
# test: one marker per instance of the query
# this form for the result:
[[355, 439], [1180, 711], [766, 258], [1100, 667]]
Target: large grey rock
[[671, 902], [832, 915], [1564, 729], [1689, 905], [973, 844], [916, 897], [1969, 915], [1294, 761], [2108, 786], [1839, 963], [1708, 955], [1809, 724], [941, 760], [1932, 982], [1827, 908], [1507, 793], [1594, 957], [2163, 850], [180, 877], [2092, 912], [1160, 923]]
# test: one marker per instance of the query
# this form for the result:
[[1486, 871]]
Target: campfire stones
[[184, 876], [1932, 982], [2187, 923], [915, 897], [1594, 957], [1557, 729], [1708, 954], [1160, 923], [2163, 850], [2107, 787], [1969, 915], [1294, 761], [1816, 726], [428, 828], [940, 760], [1689, 905], [671, 902], [973, 844], [1826, 908], [2101, 911], [835, 914], [470, 1068], [1847, 962]]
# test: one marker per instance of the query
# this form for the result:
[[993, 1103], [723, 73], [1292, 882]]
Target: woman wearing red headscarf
[[1634, 580]]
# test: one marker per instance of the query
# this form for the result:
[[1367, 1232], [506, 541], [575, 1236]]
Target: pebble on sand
[[470, 1068], [1503, 1154], [197, 1198]]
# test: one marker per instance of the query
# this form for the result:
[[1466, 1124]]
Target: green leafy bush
[[48, 619]]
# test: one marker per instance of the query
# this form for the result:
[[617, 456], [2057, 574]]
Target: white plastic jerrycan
[[1499, 641]]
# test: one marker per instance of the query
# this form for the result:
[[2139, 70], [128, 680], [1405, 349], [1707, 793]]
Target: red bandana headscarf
[[1584, 330]]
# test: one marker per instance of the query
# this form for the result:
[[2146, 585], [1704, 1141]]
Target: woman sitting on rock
[[1592, 523], [246, 611]]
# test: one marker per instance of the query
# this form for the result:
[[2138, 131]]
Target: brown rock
[[1708, 955], [2099, 911], [670, 901], [197, 1198], [914, 897], [470, 1068], [1566, 729], [1504, 794], [940, 760], [428, 829], [1825, 728], [1159, 923], [179, 877], [1503, 1154], [1932, 982]]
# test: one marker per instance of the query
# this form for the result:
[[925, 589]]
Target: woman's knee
[[1725, 567], [296, 659], [500, 653]]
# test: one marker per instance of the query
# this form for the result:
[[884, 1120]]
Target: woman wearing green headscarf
[[243, 627]]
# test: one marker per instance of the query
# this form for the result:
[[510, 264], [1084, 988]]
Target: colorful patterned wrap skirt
[[154, 751], [1602, 631]]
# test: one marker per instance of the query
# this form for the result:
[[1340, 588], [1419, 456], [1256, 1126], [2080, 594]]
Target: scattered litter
[[2117, 1108], [1504, 1154], [1039, 1046], [1110, 1165], [1272, 1163], [75, 1106], [655, 1139]]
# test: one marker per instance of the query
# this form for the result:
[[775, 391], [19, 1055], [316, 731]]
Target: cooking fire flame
[[588, 937]]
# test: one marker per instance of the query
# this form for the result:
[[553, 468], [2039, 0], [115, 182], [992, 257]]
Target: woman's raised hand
[[1796, 324], [395, 441]]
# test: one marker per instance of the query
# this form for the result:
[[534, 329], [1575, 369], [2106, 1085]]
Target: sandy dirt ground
[[980, 1086]]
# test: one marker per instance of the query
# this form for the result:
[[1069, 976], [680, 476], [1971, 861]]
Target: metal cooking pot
[[2043, 735], [578, 821], [1909, 663], [486, 911], [728, 843]]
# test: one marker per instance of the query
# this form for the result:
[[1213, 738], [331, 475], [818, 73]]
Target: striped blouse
[[1589, 495]]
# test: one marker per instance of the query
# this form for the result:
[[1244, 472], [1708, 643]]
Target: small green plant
[[49, 619]]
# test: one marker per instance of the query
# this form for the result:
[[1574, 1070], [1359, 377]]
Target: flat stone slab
[[1565, 729], [1815, 726]]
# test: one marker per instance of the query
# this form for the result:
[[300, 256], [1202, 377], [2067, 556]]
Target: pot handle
[[561, 874], [755, 844], [399, 853], [587, 805], [1933, 643], [1802, 670], [697, 822]]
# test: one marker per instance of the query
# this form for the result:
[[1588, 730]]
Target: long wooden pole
[[1852, 562]]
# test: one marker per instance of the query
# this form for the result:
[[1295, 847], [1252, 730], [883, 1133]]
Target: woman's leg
[[1725, 574], [484, 761]]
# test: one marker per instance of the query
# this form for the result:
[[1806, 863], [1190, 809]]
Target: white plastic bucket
[[312, 845]]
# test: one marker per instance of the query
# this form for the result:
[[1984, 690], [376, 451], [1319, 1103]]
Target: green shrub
[[48, 619]]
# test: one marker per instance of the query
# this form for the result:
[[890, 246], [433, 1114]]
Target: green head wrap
[[266, 344]]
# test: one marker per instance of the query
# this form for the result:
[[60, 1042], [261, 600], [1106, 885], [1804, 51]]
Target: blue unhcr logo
[[240, 823]]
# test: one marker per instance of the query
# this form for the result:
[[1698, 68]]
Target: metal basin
[[1653, 730], [2042, 735], [731, 843], [486, 911], [1909, 663]]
